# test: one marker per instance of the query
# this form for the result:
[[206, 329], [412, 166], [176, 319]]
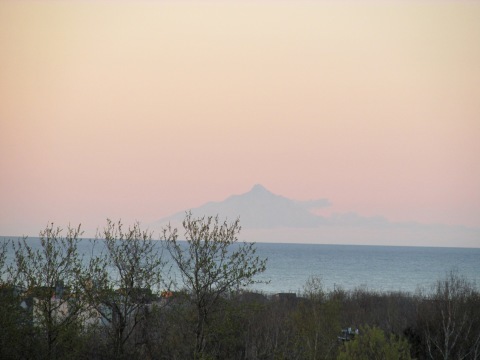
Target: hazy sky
[[136, 110]]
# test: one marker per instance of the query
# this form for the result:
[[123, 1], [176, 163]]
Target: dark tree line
[[120, 302]]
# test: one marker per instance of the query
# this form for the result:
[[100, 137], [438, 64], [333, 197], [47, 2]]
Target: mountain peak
[[260, 209], [257, 188]]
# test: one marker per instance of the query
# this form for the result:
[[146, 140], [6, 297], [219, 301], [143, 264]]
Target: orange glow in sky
[[136, 110]]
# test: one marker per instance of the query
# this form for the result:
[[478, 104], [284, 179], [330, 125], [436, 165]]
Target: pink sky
[[136, 110]]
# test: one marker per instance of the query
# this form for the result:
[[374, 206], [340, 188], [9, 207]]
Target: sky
[[137, 110]]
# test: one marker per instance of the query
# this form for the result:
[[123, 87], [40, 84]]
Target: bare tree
[[450, 319], [123, 280], [3, 256], [211, 264], [316, 322], [10, 314], [47, 276]]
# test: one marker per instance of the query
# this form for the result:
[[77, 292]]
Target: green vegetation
[[120, 282], [211, 268], [125, 303], [48, 278], [372, 344]]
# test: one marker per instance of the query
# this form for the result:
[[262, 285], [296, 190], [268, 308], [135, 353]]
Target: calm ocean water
[[380, 268]]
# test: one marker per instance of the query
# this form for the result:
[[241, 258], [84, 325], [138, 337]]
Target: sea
[[375, 268], [349, 267]]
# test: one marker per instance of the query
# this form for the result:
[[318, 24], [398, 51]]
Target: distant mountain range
[[265, 216], [260, 209]]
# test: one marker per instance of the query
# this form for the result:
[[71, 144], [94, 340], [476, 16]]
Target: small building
[[348, 334]]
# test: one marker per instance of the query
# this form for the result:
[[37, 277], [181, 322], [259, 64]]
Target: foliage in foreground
[[211, 267], [57, 302], [372, 344]]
